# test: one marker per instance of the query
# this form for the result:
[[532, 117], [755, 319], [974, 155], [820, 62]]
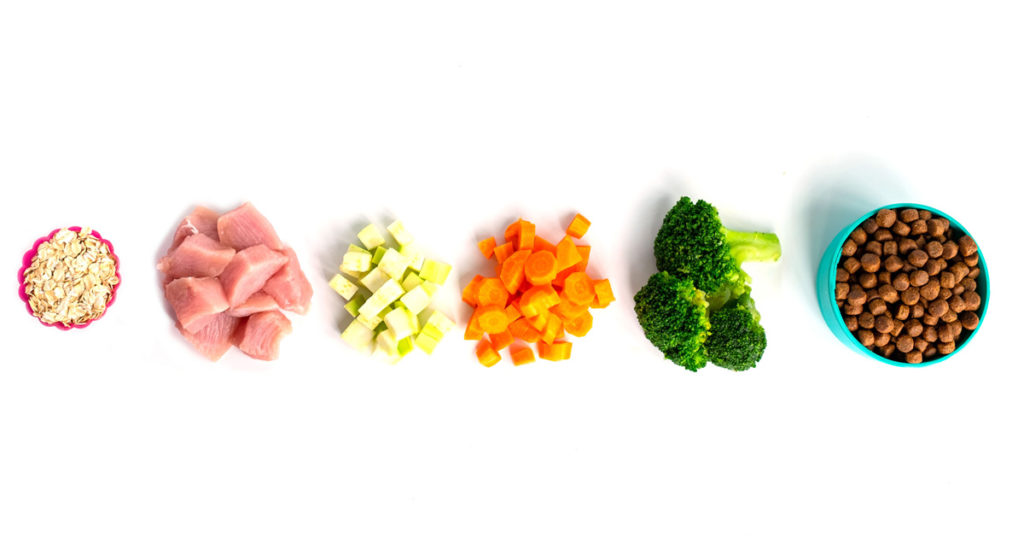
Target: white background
[[794, 117]]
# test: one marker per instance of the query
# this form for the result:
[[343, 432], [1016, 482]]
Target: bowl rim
[[26, 263], [833, 267]]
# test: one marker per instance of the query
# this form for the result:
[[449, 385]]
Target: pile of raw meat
[[227, 276]]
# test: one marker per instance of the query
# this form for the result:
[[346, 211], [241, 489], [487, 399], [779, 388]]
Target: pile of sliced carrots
[[540, 293]]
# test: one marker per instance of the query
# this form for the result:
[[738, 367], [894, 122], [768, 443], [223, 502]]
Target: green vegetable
[[674, 316], [693, 243], [737, 340]]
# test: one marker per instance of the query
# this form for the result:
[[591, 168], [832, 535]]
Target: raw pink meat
[[257, 303], [214, 339], [201, 221], [248, 271], [198, 255], [289, 286], [245, 227], [196, 301], [259, 336]]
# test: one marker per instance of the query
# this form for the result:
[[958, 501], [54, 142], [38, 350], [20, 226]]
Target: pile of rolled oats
[[71, 279]]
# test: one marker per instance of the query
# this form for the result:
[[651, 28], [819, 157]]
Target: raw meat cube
[[257, 303], [200, 221], [290, 287], [196, 301], [214, 339], [248, 271], [245, 227], [198, 255], [259, 336]]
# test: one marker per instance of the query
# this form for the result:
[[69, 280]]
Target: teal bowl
[[826, 289]]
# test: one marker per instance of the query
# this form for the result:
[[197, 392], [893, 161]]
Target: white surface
[[789, 116]]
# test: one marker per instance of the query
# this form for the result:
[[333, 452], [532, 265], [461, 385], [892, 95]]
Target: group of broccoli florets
[[697, 307]]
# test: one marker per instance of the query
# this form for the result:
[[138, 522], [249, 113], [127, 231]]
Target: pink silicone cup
[[26, 262]]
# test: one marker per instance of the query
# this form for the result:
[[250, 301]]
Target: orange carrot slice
[[473, 331], [567, 254], [579, 326], [556, 351], [578, 226], [486, 354], [502, 340], [539, 244], [603, 294], [492, 319], [512, 270], [522, 330], [552, 330], [487, 246], [579, 289], [541, 268], [491, 291], [469, 293], [527, 232], [522, 354]]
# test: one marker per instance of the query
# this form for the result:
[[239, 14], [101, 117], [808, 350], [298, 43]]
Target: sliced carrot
[[503, 251], [512, 274], [539, 321], [568, 310], [579, 326], [578, 226], [537, 299], [512, 231], [512, 311], [492, 292], [487, 246], [541, 268], [492, 319], [473, 331], [486, 354], [539, 244], [502, 340], [552, 330], [603, 294], [556, 351], [522, 354], [527, 232], [522, 330], [584, 256], [567, 254], [469, 293], [579, 289]]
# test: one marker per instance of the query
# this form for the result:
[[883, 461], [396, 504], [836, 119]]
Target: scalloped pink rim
[[26, 262]]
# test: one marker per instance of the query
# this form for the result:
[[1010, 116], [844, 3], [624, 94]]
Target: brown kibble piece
[[957, 304], [930, 334], [950, 250], [870, 262], [945, 333], [915, 357], [910, 296], [930, 352], [842, 289], [960, 271], [908, 215], [870, 294], [967, 246], [888, 293], [882, 339], [901, 282], [932, 267], [893, 263], [930, 290], [945, 293], [970, 285], [883, 235], [930, 320], [849, 248], [842, 275], [900, 229], [851, 264], [974, 273], [868, 280], [852, 309], [957, 328], [888, 350], [917, 311], [947, 280], [972, 301], [924, 214], [921, 345], [905, 245], [935, 227], [890, 247], [921, 241], [883, 324], [870, 226], [971, 260], [851, 323], [856, 296], [902, 312], [885, 217], [876, 306], [914, 328], [904, 343], [897, 328], [969, 320], [958, 290], [918, 278], [950, 316], [858, 236], [917, 258], [884, 278], [866, 337], [946, 348], [873, 246], [919, 227], [866, 320]]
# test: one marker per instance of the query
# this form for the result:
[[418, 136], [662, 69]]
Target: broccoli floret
[[737, 340], [692, 243], [674, 316]]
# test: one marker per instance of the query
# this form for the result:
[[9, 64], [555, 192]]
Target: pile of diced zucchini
[[391, 294]]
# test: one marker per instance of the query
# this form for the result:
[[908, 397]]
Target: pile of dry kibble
[[906, 284]]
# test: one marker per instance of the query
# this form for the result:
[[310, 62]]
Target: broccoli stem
[[751, 246]]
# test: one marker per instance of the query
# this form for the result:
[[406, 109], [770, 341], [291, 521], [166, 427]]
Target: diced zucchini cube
[[378, 254], [370, 237], [358, 336], [415, 300], [394, 264], [370, 322], [398, 322], [435, 271], [414, 255], [426, 342], [352, 248], [411, 281], [431, 287], [374, 279], [356, 261], [402, 236], [354, 304], [405, 346], [386, 294], [441, 322], [432, 331], [345, 288]]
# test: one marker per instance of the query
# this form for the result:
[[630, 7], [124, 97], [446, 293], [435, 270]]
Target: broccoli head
[[674, 316], [693, 244], [737, 340]]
